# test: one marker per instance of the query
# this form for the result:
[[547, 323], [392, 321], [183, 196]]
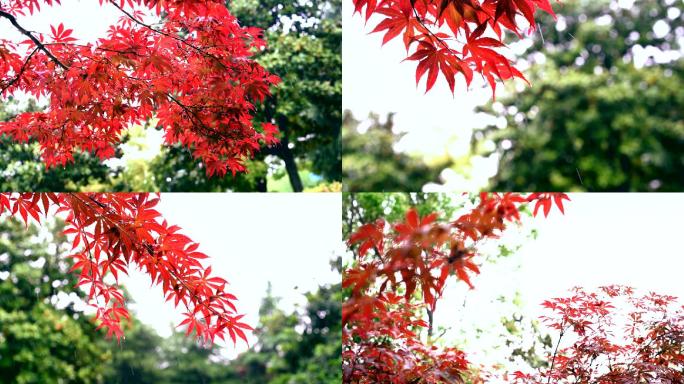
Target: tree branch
[[149, 248], [35, 40], [555, 352], [182, 41]]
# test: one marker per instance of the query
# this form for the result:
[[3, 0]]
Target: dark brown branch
[[555, 353], [30, 35]]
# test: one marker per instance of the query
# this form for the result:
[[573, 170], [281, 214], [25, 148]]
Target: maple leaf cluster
[[192, 69], [394, 264], [454, 37], [112, 232], [615, 336]]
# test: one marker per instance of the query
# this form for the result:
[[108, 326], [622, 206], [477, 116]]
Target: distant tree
[[305, 46], [286, 355], [371, 162], [43, 337], [594, 119]]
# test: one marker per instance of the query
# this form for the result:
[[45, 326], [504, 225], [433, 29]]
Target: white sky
[[251, 239], [87, 18], [603, 239]]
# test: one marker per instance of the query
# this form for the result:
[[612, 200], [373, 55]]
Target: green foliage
[[285, 356], [372, 164], [175, 170], [362, 208], [593, 120], [40, 343]]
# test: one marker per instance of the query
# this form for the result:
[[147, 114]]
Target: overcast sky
[[87, 18], [251, 238], [603, 239]]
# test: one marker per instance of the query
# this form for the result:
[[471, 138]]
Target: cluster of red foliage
[[381, 328], [192, 70], [462, 47], [109, 233], [651, 349]]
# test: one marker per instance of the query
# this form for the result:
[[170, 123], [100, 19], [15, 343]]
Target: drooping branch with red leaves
[[455, 37], [191, 69], [113, 232], [613, 335], [400, 270]]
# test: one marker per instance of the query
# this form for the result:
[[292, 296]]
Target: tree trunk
[[261, 185], [286, 155]]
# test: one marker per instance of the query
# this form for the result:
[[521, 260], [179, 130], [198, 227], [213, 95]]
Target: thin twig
[[555, 352]]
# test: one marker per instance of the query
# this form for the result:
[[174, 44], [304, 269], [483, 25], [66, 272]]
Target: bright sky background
[[603, 239], [287, 239], [87, 18]]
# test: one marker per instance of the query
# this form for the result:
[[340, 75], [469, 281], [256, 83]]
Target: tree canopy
[[605, 109], [399, 270]]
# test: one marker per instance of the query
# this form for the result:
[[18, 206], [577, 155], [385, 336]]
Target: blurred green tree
[[43, 337], [605, 111], [305, 46], [372, 164], [296, 348], [366, 207]]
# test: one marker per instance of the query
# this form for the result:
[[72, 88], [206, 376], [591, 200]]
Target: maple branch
[[183, 41], [150, 250], [35, 40], [434, 36]]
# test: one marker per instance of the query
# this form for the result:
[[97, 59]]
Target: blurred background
[[288, 288], [604, 112], [304, 44]]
